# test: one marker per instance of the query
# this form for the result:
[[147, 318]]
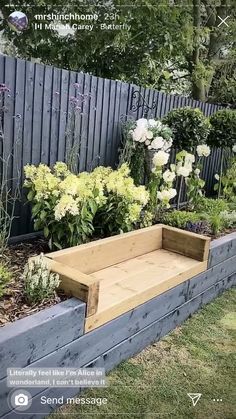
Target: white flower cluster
[[39, 282], [185, 165], [166, 192], [160, 158], [154, 134], [234, 148], [203, 150], [166, 195]]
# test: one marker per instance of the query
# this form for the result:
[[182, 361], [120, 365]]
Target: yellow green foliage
[[70, 208]]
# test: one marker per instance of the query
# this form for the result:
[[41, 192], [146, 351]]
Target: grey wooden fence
[[36, 115]]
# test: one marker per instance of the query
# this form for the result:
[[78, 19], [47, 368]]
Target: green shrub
[[213, 221], [39, 283], [223, 129], [216, 222], [191, 221], [180, 218], [228, 181], [71, 208], [189, 126], [5, 277], [229, 219], [211, 206]]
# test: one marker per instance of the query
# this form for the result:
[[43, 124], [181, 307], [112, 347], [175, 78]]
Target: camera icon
[[21, 399]]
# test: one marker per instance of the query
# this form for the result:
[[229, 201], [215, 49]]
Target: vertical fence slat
[[91, 162], [55, 115], [64, 89], [47, 113], [84, 123], [98, 122], [109, 149], [104, 128], [25, 218], [116, 132], [9, 110], [18, 119], [37, 113]]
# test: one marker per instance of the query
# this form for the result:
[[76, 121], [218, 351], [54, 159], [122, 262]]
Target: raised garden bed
[[119, 273], [55, 337]]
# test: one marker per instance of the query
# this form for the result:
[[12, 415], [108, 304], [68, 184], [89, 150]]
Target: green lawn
[[198, 357]]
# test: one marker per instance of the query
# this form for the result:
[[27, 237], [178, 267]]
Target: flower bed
[[132, 288], [45, 340]]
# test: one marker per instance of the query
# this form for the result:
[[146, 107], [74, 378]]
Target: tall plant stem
[[221, 171], [180, 192]]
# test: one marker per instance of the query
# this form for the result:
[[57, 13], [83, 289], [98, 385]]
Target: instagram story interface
[[117, 209]]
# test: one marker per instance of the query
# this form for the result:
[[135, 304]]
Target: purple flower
[[4, 88]]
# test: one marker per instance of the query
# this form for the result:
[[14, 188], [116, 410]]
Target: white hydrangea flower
[[168, 176], [217, 177], [166, 194], [172, 192], [183, 171], [149, 135], [147, 142], [203, 150], [139, 134], [152, 122], [197, 172], [189, 159], [157, 143], [234, 148], [167, 144], [160, 158], [142, 122]]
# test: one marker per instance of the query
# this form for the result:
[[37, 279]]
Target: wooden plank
[[121, 300], [109, 157], [77, 284], [64, 106], [25, 216], [117, 353], [85, 80], [55, 114], [47, 114], [117, 126], [222, 249], [8, 117], [70, 122], [186, 243], [222, 270], [31, 338], [104, 126], [98, 123], [18, 119], [126, 90], [91, 159], [106, 252], [37, 114]]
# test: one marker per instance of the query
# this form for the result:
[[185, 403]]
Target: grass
[[198, 357]]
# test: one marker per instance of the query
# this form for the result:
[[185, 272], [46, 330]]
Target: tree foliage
[[173, 47]]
